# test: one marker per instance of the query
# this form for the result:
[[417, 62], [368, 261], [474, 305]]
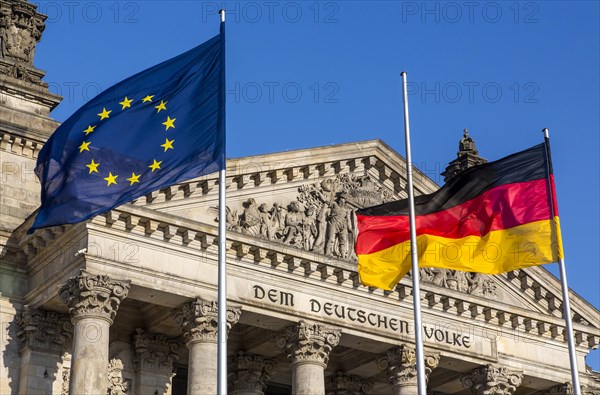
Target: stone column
[[249, 374], [93, 301], [199, 321], [154, 357], [400, 363], [345, 384], [45, 336], [492, 379], [308, 347]]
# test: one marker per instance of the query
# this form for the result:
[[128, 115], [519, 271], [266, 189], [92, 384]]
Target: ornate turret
[[25, 105], [466, 157]]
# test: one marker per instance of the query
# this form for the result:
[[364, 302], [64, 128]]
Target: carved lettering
[[374, 319], [259, 292], [315, 306], [441, 336], [274, 295], [361, 316], [287, 298]]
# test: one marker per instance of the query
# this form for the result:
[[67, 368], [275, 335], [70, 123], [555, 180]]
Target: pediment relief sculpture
[[321, 219]]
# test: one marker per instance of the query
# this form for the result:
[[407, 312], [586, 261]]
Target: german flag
[[492, 218]]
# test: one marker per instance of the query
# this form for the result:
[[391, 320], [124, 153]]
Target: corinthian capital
[[346, 384], [309, 342], [155, 351], [400, 363], [249, 373], [492, 379], [89, 295], [561, 389], [199, 320], [45, 330]]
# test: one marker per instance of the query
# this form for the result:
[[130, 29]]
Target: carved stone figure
[[267, 227], [321, 225], [457, 280], [293, 225], [250, 219], [309, 228], [467, 143], [338, 226]]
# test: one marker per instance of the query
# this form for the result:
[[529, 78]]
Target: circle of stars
[[105, 114]]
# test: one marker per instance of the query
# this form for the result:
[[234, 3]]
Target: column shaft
[[90, 356], [308, 378], [202, 368]]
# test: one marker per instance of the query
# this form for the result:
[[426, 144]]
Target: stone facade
[[125, 303]]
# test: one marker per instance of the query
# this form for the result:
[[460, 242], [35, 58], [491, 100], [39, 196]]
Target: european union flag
[[156, 128]]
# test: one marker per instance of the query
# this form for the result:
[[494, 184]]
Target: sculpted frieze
[[321, 219]]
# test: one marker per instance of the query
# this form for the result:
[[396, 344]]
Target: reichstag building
[[125, 303]]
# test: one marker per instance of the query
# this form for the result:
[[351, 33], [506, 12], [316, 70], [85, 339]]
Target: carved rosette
[[89, 295], [309, 342], [249, 373], [400, 363], [45, 330], [199, 320], [560, 389], [492, 379], [155, 351], [346, 384], [116, 385]]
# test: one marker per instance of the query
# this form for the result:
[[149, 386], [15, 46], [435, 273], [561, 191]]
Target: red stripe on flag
[[503, 207]]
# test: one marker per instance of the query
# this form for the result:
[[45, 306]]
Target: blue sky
[[305, 74]]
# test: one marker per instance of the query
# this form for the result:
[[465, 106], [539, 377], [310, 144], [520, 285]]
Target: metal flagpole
[[563, 280], [222, 284], [413, 250]]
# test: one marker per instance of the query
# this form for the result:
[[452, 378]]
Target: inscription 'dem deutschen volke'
[[361, 316]]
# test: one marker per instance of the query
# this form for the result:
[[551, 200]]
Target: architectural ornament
[[321, 219], [400, 363], [249, 373], [466, 282], [346, 384], [155, 351], [492, 380], [20, 30], [45, 330], [65, 374], [199, 320], [560, 389], [116, 385], [89, 295], [306, 342]]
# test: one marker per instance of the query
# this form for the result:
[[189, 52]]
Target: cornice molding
[[317, 267]]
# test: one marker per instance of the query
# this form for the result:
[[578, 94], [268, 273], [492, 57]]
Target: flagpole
[[563, 280], [413, 250], [222, 284]]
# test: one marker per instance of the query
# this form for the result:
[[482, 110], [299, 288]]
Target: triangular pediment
[[263, 190]]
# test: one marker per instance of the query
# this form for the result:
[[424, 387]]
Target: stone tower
[[467, 156], [25, 105]]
